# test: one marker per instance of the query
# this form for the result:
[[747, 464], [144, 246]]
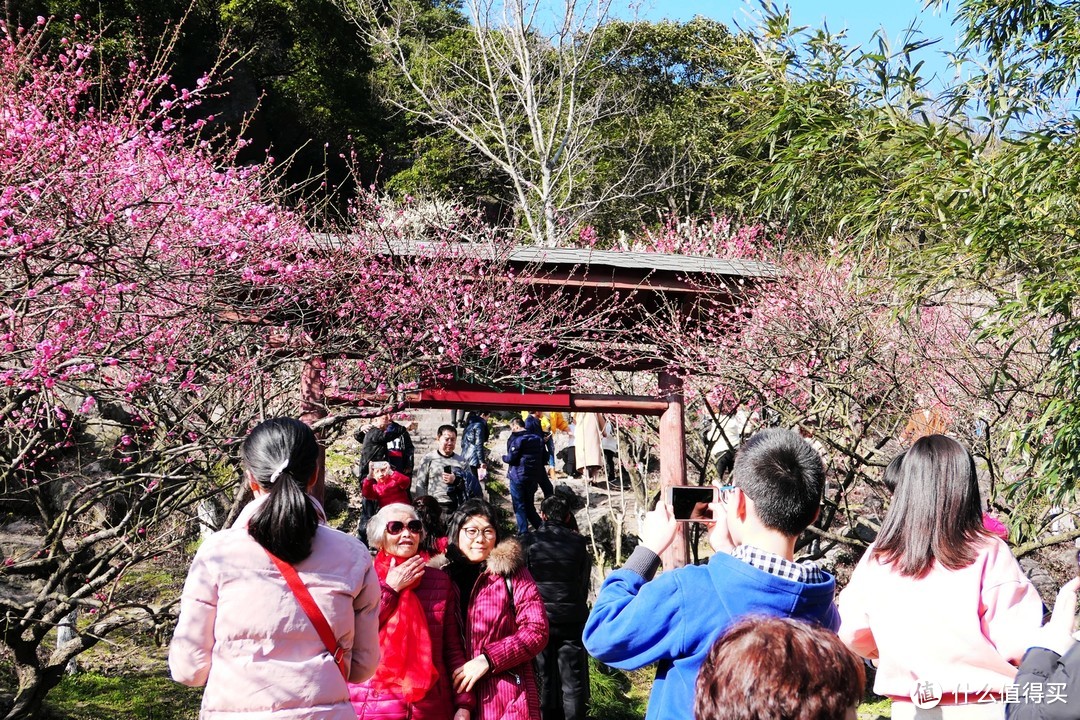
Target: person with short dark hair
[[375, 438], [242, 630], [771, 668], [443, 473], [674, 619], [937, 599], [434, 541], [559, 561], [526, 459]]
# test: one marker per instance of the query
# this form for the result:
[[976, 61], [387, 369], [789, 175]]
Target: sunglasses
[[396, 527]]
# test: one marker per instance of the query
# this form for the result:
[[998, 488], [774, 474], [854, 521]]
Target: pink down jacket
[[243, 635], [439, 598], [511, 632]]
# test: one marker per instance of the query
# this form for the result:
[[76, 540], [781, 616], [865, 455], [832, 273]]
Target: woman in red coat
[[385, 485], [420, 637], [502, 613]]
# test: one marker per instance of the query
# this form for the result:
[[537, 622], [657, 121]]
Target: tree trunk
[[65, 631], [34, 685]]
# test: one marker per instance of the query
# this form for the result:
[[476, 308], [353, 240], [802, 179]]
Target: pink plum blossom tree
[[156, 300]]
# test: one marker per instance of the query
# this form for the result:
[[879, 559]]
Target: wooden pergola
[[653, 280]]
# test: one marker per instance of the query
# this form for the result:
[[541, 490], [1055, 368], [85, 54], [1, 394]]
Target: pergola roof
[[591, 267], [645, 278], [644, 261]]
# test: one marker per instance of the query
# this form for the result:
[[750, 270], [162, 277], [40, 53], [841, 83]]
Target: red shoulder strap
[[307, 604]]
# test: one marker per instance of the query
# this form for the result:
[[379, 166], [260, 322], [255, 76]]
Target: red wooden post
[[673, 458], [312, 408]]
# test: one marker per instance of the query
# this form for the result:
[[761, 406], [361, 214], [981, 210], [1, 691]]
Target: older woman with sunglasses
[[420, 637], [502, 613]]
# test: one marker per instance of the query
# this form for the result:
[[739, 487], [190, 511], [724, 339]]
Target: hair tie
[[277, 473]]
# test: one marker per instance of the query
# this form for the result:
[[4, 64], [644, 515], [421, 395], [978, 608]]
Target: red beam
[[491, 400], [446, 399]]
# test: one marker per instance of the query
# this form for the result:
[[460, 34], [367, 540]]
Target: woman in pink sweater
[[938, 600], [242, 632]]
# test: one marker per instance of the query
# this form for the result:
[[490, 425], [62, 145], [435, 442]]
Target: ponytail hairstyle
[[282, 455], [936, 514]]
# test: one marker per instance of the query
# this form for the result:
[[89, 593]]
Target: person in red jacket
[[385, 485]]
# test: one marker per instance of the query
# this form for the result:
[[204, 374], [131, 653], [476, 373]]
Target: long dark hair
[[430, 513], [282, 455], [936, 513]]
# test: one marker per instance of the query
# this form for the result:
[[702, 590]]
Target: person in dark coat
[[1048, 680], [473, 441], [400, 452], [559, 561], [376, 438], [526, 460]]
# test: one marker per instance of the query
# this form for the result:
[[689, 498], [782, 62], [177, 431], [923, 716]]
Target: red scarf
[[406, 666]]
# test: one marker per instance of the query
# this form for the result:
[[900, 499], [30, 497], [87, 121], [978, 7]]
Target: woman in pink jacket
[[242, 632], [938, 600], [502, 612], [419, 629]]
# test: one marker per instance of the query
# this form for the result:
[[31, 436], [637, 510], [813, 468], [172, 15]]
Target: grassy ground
[[92, 696], [875, 708], [616, 695]]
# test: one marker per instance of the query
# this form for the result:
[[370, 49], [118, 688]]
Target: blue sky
[[861, 18]]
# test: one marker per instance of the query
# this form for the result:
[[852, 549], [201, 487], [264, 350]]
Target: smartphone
[[690, 503]]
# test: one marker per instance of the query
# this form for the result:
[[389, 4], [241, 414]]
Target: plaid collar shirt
[[804, 572]]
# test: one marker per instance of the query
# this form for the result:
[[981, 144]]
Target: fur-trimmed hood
[[505, 560]]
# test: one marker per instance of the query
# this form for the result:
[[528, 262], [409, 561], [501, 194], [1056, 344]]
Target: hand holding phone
[[658, 529], [690, 503]]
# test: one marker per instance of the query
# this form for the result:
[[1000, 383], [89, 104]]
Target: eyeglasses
[[395, 527], [471, 532], [724, 490]]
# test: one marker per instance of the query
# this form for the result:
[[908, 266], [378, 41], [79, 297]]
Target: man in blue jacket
[[525, 458], [673, 620]]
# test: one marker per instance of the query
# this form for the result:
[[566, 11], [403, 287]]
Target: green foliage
[[614, 694], [91, 696], [680, 77], [875, 708]]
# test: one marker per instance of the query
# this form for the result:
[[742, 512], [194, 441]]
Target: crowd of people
[[445, 614]]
